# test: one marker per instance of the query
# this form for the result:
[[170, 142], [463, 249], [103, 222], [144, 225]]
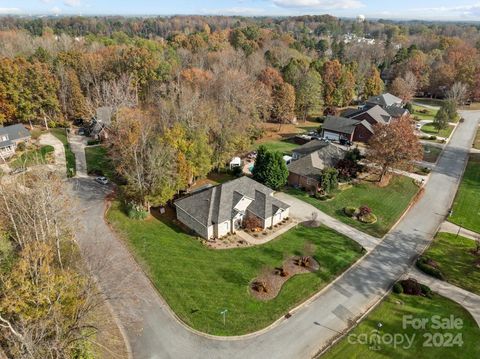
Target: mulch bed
[[275, 281]]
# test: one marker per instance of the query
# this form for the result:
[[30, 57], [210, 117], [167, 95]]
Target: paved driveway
[[77, 144], [304, 211], [154, 332]]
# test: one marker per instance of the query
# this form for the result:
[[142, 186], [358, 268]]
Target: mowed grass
[[390, 313], [61, 134], [198, 283], [387, 203], [423, 113], [430, 129], [476, 143], [32, 157], [431, 153], [456, 261], [466, 207], [283, 146], [98, 162]]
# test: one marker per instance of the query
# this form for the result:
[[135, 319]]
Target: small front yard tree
[[394, 146], [329, 179], [270, 168], [440, 122]]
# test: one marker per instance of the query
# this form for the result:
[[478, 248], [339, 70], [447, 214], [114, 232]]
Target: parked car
[[102, 180], [81, 131], [345, 142], [418, 126]]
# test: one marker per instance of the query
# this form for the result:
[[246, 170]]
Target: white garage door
[[331, 135]]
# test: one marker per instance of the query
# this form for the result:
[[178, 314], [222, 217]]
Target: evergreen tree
[[270, 168], [441, 119]]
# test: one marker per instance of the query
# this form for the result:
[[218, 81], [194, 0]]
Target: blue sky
[[404, 9]]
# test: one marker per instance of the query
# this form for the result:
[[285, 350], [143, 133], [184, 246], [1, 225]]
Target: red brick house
[[343, 128]]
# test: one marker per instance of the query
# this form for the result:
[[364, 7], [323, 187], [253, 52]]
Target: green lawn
[[476, 144], [387, 203], [431, 153], [429, 101], [283, 146], [390, 314], [61, 134], [455, 260], [198, 283], [423, 113], [466, 207], [431, 130], [32, 157], [98, 162]]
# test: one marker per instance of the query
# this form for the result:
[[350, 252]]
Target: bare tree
[[458, 93]]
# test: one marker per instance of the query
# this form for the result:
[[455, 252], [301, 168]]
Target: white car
[[102, 180], [418, 126]]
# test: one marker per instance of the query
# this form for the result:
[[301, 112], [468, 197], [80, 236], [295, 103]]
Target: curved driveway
[[154, 333]]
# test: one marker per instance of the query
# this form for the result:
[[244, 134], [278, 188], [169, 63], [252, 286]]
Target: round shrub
[[411, 287], [368, 218], [433, 138], [397, 288], [350, 211], [21, 146]]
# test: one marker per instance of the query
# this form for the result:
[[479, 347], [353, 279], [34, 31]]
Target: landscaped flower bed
[[363, 214]]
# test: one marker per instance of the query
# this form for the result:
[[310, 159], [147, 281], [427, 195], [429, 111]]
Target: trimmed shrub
[[426, 291], [422, 264], [92, 142], [21, 146], [368, 218], [350, 211], [397, 288], [136, 212], [433, 138], [411, 287]]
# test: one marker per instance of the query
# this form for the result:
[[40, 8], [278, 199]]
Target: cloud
[[72, 3], [9, 10], [472, 10], [320, 4], [244, 11], [56, 10], [46, 1]]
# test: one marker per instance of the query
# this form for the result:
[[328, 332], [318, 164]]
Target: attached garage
[[332, 136]]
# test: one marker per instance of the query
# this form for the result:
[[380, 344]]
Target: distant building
[[10, 137]]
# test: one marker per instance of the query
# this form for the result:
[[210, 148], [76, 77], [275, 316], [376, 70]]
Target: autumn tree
[[373, 83], [394, 146], [458, 93], [405, 87], [283, 109], [309, 95], [149, 165]]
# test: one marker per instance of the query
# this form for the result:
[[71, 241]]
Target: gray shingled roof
[[376, 112], [14, 132], [216, 204], [313, 164], [396, 112], [340, 124], [384, 100], [310, 147]]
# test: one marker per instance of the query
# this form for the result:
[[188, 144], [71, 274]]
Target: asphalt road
[[154, 333]]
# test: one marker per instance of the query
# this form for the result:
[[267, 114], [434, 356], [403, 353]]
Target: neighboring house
[[220, 210], [374, 115], [308, 148], [385, 100], [306, 172], [391, 104], [342, 128], [10, 137], [101, 122]]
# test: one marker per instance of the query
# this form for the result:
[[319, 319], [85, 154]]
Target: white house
[[217, 211], [10, 137]]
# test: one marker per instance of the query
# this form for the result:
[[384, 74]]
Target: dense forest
[[188, 93]]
